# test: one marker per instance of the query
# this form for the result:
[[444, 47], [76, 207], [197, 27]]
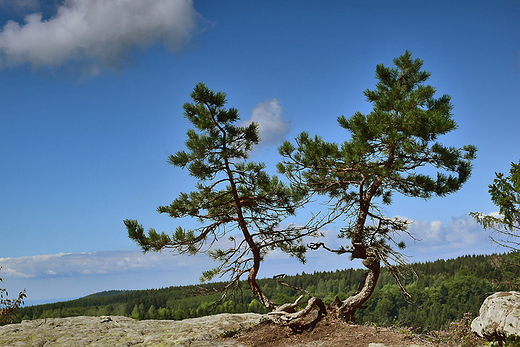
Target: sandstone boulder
[[499, 316]]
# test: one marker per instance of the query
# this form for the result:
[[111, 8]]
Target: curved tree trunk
[[347, 308], [251, 280]]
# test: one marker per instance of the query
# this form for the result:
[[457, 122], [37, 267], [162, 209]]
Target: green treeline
[[444, 291]]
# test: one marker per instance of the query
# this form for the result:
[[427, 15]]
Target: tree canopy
[[382, 156], [232, 194]]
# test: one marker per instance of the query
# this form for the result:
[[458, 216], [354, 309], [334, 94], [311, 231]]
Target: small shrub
[[458, 334], [510, 341], [405, 330], [8, 307]]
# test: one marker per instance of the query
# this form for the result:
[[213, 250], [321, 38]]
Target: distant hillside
[[106, 293], [444, 291]]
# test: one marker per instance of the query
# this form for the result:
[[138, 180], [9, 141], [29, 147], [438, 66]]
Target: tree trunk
[[347, 308], [251, 280]]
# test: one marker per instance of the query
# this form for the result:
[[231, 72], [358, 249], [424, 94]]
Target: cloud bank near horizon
[[96, 34], [72, 275], [95, 263], [462, 235]]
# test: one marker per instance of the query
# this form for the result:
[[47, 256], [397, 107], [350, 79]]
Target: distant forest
[[442, 292]]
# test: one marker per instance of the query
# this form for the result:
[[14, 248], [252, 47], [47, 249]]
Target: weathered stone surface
[[499, 316], [123, 331]]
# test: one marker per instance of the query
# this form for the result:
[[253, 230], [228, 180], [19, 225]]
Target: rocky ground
[[117, 331], [223, 330]]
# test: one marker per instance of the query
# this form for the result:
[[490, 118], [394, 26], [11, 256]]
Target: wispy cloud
[[96, 33], [49, 278], [96, 263], [460, 236], [272, 127], [434, 240]]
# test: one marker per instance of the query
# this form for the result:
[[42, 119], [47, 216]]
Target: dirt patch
[[329, 332]]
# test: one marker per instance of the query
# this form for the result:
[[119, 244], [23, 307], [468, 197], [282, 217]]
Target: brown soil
[[329, 332]]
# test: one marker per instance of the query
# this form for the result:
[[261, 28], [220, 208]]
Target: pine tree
[[232, 194], [385, 149], [505, 194]]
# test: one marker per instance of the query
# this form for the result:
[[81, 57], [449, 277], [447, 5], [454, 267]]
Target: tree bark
[[251, 280], [347, 308]]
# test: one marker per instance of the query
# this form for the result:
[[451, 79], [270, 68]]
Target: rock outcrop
[[123, 331], [499, 316]]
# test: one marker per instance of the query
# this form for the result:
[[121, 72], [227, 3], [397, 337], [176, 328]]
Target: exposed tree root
[[287, 314]]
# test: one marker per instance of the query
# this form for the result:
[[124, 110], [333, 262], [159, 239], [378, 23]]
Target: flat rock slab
[[123, 331]]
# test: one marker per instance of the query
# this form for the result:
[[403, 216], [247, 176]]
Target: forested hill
[[443, 292]]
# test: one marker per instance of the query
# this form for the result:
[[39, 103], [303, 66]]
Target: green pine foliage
[[232, 193], [382, 154], [392, 149], [443, 292], [505, 194]]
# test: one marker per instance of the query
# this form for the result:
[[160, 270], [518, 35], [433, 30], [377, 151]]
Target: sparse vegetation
[[458, 334], [9, 307]]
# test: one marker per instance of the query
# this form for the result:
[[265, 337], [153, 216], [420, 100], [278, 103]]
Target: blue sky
[[92, 94]]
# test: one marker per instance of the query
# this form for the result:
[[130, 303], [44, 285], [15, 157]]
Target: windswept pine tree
[[232, 195], [382, 155]]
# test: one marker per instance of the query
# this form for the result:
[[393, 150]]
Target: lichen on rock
[[499, 316]]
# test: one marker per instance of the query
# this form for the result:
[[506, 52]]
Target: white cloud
[[97, 33], [50, 278], [97, 263], [428, 232], [460, 236], [9, 272], [435, 240], [268, 116]]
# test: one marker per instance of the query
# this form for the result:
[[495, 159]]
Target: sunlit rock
[[499, 316]]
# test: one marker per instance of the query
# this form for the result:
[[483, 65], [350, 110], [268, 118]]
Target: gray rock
[[499, 316], [123, 331]]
